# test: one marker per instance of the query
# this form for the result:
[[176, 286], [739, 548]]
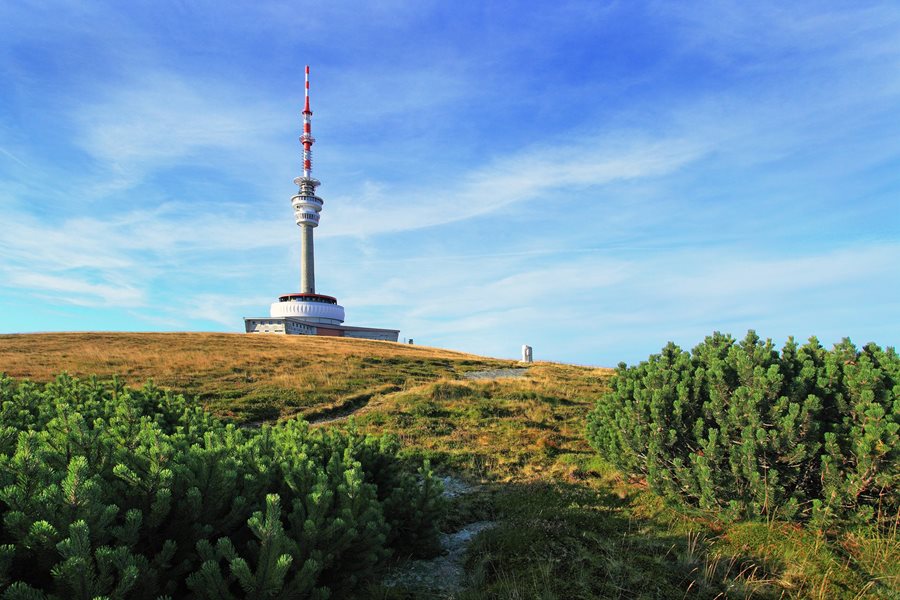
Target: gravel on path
[[444, 575], [496, 374]]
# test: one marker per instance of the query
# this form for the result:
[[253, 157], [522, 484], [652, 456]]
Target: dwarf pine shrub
[[744, 430], [136, 493]]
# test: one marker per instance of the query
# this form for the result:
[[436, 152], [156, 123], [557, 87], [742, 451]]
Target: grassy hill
[[567, 525], [243, 377]]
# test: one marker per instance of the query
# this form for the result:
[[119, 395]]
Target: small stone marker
[[526, 354]]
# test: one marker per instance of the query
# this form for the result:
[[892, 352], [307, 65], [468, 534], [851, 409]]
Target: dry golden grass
[[241, 376], [511, 429]]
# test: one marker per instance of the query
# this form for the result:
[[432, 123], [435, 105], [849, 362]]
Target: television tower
[[306, 312], [307, 205], [307, 304]]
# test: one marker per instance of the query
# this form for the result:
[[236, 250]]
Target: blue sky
[[591, 178]]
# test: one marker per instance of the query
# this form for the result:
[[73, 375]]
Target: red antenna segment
[[307, 139]]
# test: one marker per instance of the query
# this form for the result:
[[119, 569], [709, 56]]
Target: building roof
[[302, 296], [322, 325]]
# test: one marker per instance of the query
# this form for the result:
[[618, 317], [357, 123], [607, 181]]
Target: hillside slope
[[565, 524], [239, 376]]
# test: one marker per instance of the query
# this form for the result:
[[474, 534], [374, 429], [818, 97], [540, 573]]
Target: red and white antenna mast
[[307, 139], [307, 205]]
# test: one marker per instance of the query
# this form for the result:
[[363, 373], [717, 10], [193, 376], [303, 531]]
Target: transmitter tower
[[307, 312], [307, 304], [307, 205]]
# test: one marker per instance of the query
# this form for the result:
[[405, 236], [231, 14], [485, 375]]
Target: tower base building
[[292, 326], [312, 314], [306, 312]]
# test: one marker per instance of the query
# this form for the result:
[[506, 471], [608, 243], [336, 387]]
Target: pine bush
[[123, 493], [743, 430]]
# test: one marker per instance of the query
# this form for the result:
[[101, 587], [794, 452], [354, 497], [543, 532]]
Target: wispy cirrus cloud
[[221, 308], [521, 177], [591, 302], [112, 242], [69, 290], [734, 31], [95, 261], [162, 119]]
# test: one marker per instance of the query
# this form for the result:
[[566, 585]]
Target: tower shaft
[[307, 261]]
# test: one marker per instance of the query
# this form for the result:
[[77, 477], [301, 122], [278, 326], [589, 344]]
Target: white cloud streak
[[594, 302], [67, 290], [519, 178], [163, 118]]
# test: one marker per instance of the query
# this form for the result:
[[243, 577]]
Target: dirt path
[[365, 401], [348, 406], [445, 575], [497, 374]]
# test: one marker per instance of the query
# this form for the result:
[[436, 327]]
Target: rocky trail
[[368, 400], [443, 576], [496, 374]]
